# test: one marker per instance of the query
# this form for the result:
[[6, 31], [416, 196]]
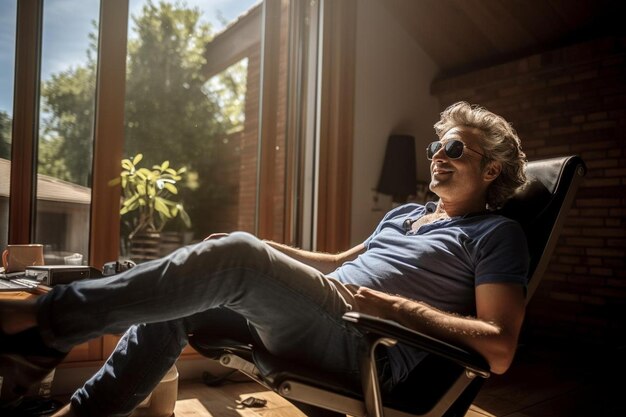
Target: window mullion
[[109, 131], [25, 120]]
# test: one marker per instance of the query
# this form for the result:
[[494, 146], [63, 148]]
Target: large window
[[7, 64], [196, 96], [66, 117]]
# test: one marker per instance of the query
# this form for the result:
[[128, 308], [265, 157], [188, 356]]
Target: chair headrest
[[548, 182], [539, 204]]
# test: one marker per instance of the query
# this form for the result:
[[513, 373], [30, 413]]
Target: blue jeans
[[293, 309]]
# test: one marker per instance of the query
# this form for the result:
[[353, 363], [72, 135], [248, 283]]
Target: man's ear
[[492, 170]]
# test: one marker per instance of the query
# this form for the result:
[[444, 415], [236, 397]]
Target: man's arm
[[493, 334], [324, 262]]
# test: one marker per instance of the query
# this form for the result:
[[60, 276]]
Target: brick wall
[[570, 101], [239, 154], [233, 208], [248, 148]]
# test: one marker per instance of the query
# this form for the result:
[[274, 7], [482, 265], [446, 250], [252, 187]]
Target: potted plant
[[147, 200]]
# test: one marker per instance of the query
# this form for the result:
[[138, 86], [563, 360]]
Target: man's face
[[462, 178]]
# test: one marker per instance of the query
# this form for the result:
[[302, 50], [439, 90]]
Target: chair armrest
[[390, 329]]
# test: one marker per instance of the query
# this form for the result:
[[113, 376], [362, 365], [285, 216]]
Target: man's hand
[[215, 236], [375, 303]]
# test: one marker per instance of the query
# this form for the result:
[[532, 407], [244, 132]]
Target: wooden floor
[[197, 400], [538, 385], [554, 384]]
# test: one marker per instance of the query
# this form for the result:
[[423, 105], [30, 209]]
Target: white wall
[[393, 76]]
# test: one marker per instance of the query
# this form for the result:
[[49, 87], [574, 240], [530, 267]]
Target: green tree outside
[[5, 135], [65, 144], [172, 112]]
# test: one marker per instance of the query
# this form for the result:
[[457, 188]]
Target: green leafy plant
[[149, 193]]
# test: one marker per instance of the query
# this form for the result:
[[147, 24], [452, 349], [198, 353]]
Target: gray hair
[[500, 143]]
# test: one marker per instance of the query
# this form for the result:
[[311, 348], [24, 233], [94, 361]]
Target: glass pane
[[192, 94], [68, 75], [8, 15]]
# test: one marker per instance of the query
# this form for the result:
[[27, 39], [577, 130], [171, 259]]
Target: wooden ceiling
[[461, 35]]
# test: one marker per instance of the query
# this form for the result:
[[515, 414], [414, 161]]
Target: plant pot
[[162, 401], [170, 241], [144, 246]]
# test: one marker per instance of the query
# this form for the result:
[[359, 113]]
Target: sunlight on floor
[[198, 400], [475, 411], [191, 406]]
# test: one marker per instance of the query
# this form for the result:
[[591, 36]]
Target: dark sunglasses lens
[[432, 149], [454, 149]]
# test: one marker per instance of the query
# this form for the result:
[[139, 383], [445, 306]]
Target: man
[[451, 269]]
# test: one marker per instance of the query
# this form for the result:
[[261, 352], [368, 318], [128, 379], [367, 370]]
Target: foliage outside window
[[173, 110], [5, 135]]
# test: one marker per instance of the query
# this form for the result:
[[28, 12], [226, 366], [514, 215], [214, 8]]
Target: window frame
[[319, 168], [331, 183], [25, 121]]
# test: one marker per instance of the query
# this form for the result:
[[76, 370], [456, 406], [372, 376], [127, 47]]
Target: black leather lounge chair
[[446, 383]]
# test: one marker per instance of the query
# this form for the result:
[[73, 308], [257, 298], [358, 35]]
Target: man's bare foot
[[16, 316]]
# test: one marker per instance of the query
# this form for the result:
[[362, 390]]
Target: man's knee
[[245, 244], [238, 247]]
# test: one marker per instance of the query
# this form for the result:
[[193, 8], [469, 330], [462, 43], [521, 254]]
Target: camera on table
[[115, 267]]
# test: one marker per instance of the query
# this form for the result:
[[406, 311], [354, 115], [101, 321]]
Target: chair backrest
[[541, 208]]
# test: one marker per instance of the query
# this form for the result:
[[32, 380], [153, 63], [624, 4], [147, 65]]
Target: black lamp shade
[[397, 178]]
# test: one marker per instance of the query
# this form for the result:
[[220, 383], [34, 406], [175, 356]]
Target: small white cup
[[73, 259]]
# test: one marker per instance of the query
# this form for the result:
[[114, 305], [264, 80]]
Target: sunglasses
[[453, 149]]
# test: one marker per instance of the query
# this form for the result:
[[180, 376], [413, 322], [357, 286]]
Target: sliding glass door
[[197, 118]]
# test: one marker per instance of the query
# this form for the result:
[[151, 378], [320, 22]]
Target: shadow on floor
[[558, 382]]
